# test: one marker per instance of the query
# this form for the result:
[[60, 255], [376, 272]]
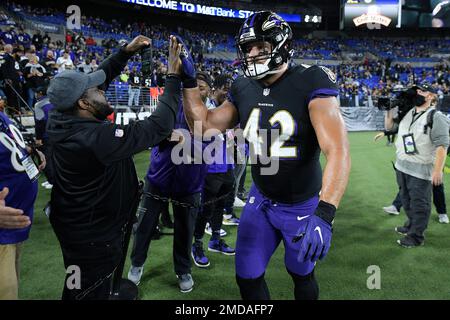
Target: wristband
[[189, 83], [326, 211], [173, 75]]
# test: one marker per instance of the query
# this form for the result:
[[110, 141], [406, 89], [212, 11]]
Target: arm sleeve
[[114, 142], [440, 132], [323, 82], [113, 66]]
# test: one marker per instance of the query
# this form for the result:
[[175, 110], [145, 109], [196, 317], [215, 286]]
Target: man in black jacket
[[94, 179]]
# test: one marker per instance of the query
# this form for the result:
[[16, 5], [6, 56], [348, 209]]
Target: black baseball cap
[[425, 86]]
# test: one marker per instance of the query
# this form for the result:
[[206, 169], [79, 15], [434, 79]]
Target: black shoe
[[409, 242], [402, 230]]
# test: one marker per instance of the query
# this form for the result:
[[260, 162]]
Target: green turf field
[[364, 236]]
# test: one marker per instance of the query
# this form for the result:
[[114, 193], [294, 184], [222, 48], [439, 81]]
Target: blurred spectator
[[49, 63], [34, 74], [37, 40], [68, 37], [25, 58], [9, 36], [80, 41], [85, 66], [135, 82], [65, 62], [124, 75], [46, 39], [23, 38], [10, 70], [90, 41], [94, 65]]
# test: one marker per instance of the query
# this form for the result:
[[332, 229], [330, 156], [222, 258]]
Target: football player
[[295, 205], [181, 182]]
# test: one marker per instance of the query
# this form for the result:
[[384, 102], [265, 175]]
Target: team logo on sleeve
[[331, 75]]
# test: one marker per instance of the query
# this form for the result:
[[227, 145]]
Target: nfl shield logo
[[119, 133], [266, 92]]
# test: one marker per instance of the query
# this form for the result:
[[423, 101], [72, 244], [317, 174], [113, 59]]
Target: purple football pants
[[264, 223]]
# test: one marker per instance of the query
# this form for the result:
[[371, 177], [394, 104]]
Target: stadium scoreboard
[[372, 14], [306, 17]]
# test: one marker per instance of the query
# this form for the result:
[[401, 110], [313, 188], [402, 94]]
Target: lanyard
[[415, 119]]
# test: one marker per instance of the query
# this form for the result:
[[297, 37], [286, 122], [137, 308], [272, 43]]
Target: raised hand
[[174, 64], [189, 75], [137, 44]]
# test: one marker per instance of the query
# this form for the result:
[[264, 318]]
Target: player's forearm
[[439, 163], [194, 109], [335, 176], [113, 65], [388, 120]]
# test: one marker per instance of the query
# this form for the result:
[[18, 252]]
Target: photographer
[[95, 185], [421, 153]]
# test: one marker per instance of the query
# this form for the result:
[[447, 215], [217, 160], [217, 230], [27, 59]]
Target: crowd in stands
[[366, 77], [380, 78]]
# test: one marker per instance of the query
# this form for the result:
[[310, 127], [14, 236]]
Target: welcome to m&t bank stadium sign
[[183, 6]]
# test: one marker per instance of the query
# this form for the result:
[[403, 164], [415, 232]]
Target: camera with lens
[[403, 99]]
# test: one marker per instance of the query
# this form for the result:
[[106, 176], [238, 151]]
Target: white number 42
[[277, 148]]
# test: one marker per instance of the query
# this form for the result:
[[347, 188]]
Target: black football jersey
[[283, 106], [135, 79]]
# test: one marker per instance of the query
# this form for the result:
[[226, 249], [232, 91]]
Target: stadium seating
[[373, 72]]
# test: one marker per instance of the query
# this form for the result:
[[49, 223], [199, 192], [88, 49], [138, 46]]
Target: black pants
[[184, 221], [390, 137], [216, 185], [241, 186], [438, 199], [416, 199], [96, 263]]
